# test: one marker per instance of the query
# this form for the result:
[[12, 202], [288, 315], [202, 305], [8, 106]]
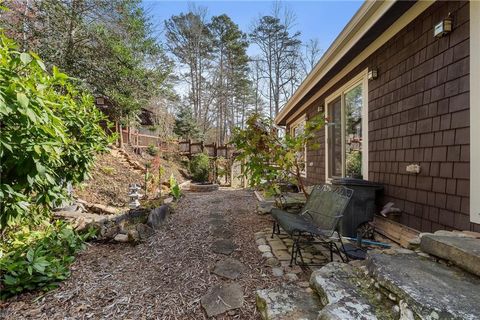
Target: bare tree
[[279, 46]]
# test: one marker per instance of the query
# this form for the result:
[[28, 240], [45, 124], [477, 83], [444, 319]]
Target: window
[[298, 128], [346, 131]]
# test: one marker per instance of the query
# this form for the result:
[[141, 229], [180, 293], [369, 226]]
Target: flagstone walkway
[[204, 260]]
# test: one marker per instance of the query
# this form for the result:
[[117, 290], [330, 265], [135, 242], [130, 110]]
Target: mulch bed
[[163, 278]]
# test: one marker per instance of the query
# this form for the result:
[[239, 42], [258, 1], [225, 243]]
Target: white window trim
[[295, 124], [474, 111], [361, 78]]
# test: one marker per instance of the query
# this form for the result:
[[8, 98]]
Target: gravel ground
[[163, 278]]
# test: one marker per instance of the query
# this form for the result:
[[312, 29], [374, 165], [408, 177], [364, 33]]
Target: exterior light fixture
[[372, 73], [443, 28]]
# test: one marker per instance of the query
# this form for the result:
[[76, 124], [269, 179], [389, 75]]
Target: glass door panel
[[335, 138], [353, 132]]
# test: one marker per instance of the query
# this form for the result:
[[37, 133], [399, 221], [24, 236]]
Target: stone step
[[338, 288], [461, 251], [288, 302], [424, 288]]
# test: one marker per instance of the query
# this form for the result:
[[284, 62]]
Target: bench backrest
[[325, 206]]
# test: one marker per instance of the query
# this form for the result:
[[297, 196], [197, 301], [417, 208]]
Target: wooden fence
[[213, 150], [138, 140], [187, 148]]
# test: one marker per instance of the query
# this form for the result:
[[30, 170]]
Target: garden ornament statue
[[134, 196]]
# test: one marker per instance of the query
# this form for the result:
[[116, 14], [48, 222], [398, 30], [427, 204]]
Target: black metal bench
[[317, 222]]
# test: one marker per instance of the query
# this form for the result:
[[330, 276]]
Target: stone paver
[[229, 268], [287, 303], [222, 298], [462, 251], [223, 246], [221, 232], [431, 289], [264, 248]]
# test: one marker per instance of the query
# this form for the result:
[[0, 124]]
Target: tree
[[109, 45], [185, 124], [230, 53], [269, 159], [189, 39], [311, 54], [50, 133], [279, 48]]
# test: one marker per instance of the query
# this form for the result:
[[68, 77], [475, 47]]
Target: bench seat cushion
[[292, 223]]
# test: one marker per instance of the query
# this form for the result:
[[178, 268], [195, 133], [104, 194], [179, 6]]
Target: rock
[[464, 252], [267, 255], [426, 286], [222, 298], [168, 200], [414, 243], [272, 262], [303, 284], [287, 302], [144, 231], [259, 235], [133, 235], [472, 234], [264, 248], [229, 268], [261, 241], [277, 272], [218, 222], [223, 246], [264, 207], [157, 216], [221, 232], [291, 277], [340, 296], [121, 237]]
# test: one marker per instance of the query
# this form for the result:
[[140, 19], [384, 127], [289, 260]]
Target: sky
[[323, 20]]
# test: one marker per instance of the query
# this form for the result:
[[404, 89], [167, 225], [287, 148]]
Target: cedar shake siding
[[418, 112]]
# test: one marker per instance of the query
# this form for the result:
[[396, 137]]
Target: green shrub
[[175, 190], [50, 133], [152, 150], [199, 167], [38, 259]]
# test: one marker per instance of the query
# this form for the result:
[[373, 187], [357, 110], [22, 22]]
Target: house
[[395, 89]]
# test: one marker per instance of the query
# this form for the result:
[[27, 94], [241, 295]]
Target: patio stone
[[462, 251], [264, 248], [217, 222], [221, 232], [222, 298], [229, 268], [259, 235], [223, 246], [261, 241], [430, 289], [286, 303], [282, 254], [277, 245], [267, 255], [272, 262]]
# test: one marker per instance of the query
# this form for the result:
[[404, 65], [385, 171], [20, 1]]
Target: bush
[[199, 167], [152, 150], [50, 134], [175, 190], [38, 259]]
